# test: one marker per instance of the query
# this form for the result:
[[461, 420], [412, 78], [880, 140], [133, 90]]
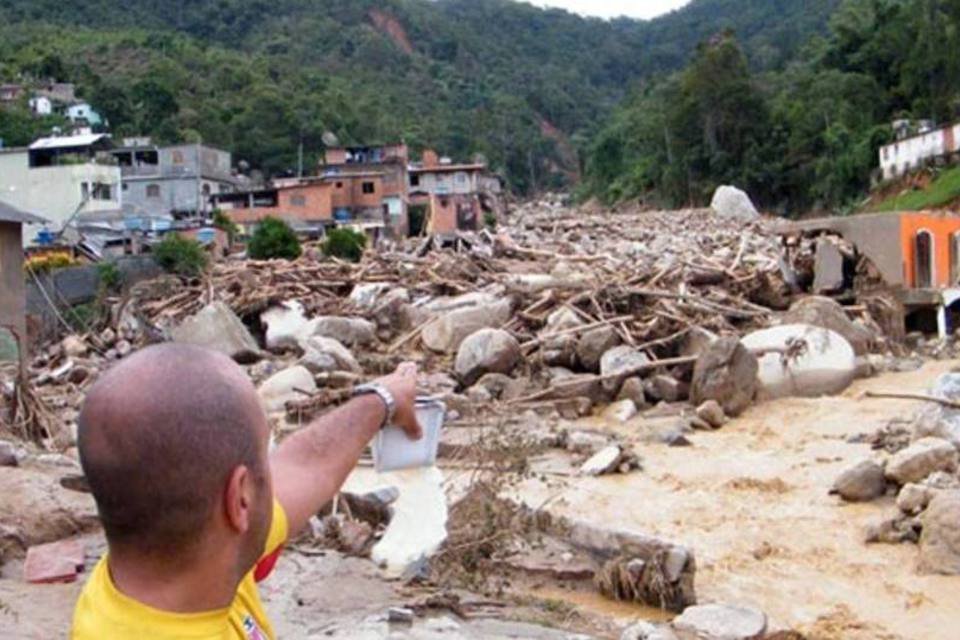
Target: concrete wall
[[173, 194], [54, 192], [12, 291], [447, 182], [945, 230], [878, 236], [75, 286]]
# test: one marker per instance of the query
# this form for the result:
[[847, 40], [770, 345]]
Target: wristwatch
[[384, 394]]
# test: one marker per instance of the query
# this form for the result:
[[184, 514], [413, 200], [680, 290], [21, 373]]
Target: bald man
[[174, 444]]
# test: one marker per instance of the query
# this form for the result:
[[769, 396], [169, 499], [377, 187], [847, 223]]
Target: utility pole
[[300, 157]]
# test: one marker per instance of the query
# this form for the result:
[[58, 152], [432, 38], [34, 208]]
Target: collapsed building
[[913, 255]]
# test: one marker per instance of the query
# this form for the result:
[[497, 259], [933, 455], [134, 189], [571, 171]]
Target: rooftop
[[68, 142], [9, 213]]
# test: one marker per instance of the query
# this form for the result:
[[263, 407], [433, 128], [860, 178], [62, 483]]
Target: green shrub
[[111, 279], [181, 256], [345, 244], [274, 239], [490, 219], [223, 221]]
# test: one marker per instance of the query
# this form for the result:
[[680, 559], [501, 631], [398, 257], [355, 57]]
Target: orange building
[[916, 252], [370, 185], [307, 206]]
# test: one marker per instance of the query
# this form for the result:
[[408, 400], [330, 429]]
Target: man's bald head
[[159, 435]]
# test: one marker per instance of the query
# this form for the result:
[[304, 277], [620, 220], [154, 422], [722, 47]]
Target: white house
[[83, 114], [41, 105], [59, 178], [911, 152]]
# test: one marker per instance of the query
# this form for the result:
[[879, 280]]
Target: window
[[339, 185], [102, 191], [178, 157], [924, 260], [369, 187], [461, 178], [153, 191], [84, 191], [415, 181], [298, 201]]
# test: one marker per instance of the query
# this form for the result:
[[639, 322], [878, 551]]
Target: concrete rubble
[[561, 344]]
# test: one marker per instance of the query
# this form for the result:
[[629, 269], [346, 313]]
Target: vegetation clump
[[274, 239], [181, 256], [345, 244]]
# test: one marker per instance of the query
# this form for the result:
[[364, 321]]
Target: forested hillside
[[526, 87], [799, 137]]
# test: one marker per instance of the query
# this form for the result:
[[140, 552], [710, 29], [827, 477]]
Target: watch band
[[384, 394]]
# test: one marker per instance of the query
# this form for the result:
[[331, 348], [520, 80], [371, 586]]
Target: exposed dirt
[[391, 27], [752, 501]]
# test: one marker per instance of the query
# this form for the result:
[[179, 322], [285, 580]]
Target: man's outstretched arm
[[310, 466]]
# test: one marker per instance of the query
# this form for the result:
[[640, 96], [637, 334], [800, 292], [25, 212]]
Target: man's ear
[[239, 499]]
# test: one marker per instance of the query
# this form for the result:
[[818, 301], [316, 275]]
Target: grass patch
[[942, 191]]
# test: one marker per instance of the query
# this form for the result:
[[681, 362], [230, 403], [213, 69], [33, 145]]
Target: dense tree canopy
[[504, 79], [804, 136]]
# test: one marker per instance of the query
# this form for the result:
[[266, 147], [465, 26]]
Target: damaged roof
[[9, 213]]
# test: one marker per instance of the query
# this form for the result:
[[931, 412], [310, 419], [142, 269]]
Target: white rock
[[74, 346], [920, 459], [350, 332], [914, 498], [621, 411], [286, 325], [604, 461], [826, 366], [721, 622], [283, 387], [445, 333], [366, 296], [730, 202], [487, 351], [217, 327], [326, 354]]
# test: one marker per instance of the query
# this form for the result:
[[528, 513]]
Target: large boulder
[[560, 351], [322, 355], [351, 332], [622, 362], [940, 540], [730, 202], [720, 622], [487, 351], [285, 386], [365, 296], [828, 314], [445, 333], [217, 327], [286, 325], [920, 459], [827, 268], [823, 363], [593, 344], [726, 372], [939, 421], [861, 483]]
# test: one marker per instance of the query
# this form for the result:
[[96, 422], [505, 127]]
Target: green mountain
[[799, 137], [523, 86]]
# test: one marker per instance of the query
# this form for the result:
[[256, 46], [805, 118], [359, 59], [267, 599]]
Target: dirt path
[[752, 501]]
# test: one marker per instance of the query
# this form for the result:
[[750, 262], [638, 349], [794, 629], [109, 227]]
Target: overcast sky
[[614, 8]]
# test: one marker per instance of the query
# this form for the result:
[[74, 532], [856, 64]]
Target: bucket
[[393, 450]]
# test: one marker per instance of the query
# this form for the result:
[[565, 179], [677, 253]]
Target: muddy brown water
[[752, 501]]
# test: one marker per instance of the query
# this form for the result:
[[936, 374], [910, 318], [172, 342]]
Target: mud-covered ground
[[752, 501]]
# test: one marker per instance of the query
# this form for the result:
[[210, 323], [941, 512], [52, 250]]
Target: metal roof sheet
[[9, 213], [66, 142]]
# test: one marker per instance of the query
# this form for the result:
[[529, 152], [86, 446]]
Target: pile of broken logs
[[653, 281]]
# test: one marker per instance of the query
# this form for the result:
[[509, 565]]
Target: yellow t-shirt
[[104, 613]]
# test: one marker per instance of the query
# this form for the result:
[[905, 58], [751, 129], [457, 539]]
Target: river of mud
[[752, 501]]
